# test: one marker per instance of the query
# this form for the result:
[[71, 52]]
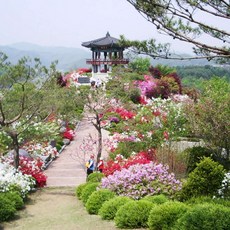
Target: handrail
[[107, 61]]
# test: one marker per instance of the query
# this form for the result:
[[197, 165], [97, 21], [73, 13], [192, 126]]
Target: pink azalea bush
[[140, 180], [147, 85]]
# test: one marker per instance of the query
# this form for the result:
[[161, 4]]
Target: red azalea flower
[[140, 158]]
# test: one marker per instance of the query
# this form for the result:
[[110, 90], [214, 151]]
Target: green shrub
[[58, 146], [205, 217], [110, 207], [125, 148], [79, 189], [133, 214], [164, 216], [157, 199], [97, 199], [95, 177], [207, 199], [7, 209], [204, 180], [195, 155], [88, 190], [15, 198], [200, 200], [224, 202], [134, 94]]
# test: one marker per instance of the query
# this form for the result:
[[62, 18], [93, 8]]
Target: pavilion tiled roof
[[105, 41]]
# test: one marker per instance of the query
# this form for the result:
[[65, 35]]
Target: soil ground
[[56, 208]]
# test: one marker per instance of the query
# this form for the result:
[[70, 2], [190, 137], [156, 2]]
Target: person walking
[[90, 165], [100, 165]]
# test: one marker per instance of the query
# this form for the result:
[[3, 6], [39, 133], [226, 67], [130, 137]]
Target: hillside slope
[[68, 58]]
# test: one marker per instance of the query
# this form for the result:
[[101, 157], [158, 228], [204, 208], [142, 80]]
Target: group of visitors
[[90, 165]]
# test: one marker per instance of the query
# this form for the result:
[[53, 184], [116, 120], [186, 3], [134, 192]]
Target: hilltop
[[68, 58]]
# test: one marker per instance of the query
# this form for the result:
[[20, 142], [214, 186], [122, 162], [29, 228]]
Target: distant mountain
[[73, 58], [171, 62], [68, 58]]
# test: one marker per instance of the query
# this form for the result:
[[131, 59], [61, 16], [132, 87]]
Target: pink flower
[[166, 135]]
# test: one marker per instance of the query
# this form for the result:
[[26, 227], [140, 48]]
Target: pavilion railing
[[107, 62]]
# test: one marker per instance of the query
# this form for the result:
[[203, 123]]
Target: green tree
[[209, 118], [204, 180], [140, 65], [29, 94], [183, 20]]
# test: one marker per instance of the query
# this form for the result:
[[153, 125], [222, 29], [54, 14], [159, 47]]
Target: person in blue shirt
[[91, 165]]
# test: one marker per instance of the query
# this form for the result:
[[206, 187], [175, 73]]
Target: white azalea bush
[[11, 179], [41, 150], [224, 191]]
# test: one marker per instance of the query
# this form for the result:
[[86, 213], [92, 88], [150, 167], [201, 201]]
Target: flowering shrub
[[147, 85], [31, 168], [10, 178], [122, 113], [153, 88], [37, 150], [224, 191], [114, 119], [164, 117], [69, 134], [41, 131], [113, 141], [156, 123], [120, 162], [140, 180], [84, 70]]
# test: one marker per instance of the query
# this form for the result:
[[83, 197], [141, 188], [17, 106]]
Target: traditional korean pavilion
[[105, 52]]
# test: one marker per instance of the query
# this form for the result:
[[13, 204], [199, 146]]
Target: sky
[[68, 23]]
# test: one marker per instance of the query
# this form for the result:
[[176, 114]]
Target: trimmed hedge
[[7, 208], [207, 199], [15, 198], [205, 216], [156, 199], [133, 214], [110, 207], [96, 200], [164, 216], [88, 190], [95, 177], [79, 189]]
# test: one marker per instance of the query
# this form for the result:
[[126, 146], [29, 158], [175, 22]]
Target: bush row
[[154, 212], [10, 202]]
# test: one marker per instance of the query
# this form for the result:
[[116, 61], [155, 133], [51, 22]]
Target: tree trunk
[[99, 149], [14, 137], [99, 145]]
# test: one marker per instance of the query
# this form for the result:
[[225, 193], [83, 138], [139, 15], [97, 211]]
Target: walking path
[[67, 170]]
